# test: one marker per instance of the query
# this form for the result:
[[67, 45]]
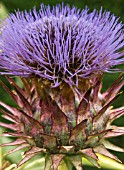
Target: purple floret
[[61, 45]]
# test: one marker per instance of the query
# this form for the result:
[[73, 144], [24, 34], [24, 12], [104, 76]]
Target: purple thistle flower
[[68, 49], [60, 45]]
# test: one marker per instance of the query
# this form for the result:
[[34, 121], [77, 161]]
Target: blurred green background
[[115, 6]]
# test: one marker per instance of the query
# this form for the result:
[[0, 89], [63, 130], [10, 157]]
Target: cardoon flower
[[60, 55]]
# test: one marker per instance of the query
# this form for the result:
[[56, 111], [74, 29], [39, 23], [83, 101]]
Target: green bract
[[62, 126]]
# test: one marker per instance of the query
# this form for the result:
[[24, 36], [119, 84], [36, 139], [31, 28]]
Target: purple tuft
[[61, 45]]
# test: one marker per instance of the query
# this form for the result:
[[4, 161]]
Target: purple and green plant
[[61, 54]]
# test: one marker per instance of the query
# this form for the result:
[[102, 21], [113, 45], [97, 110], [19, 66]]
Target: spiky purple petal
[[60, 44]]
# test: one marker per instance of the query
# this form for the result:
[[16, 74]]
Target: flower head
[[62, 44], [68, 49]]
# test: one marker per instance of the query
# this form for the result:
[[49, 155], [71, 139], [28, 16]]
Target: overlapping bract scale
[[44, 126]]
